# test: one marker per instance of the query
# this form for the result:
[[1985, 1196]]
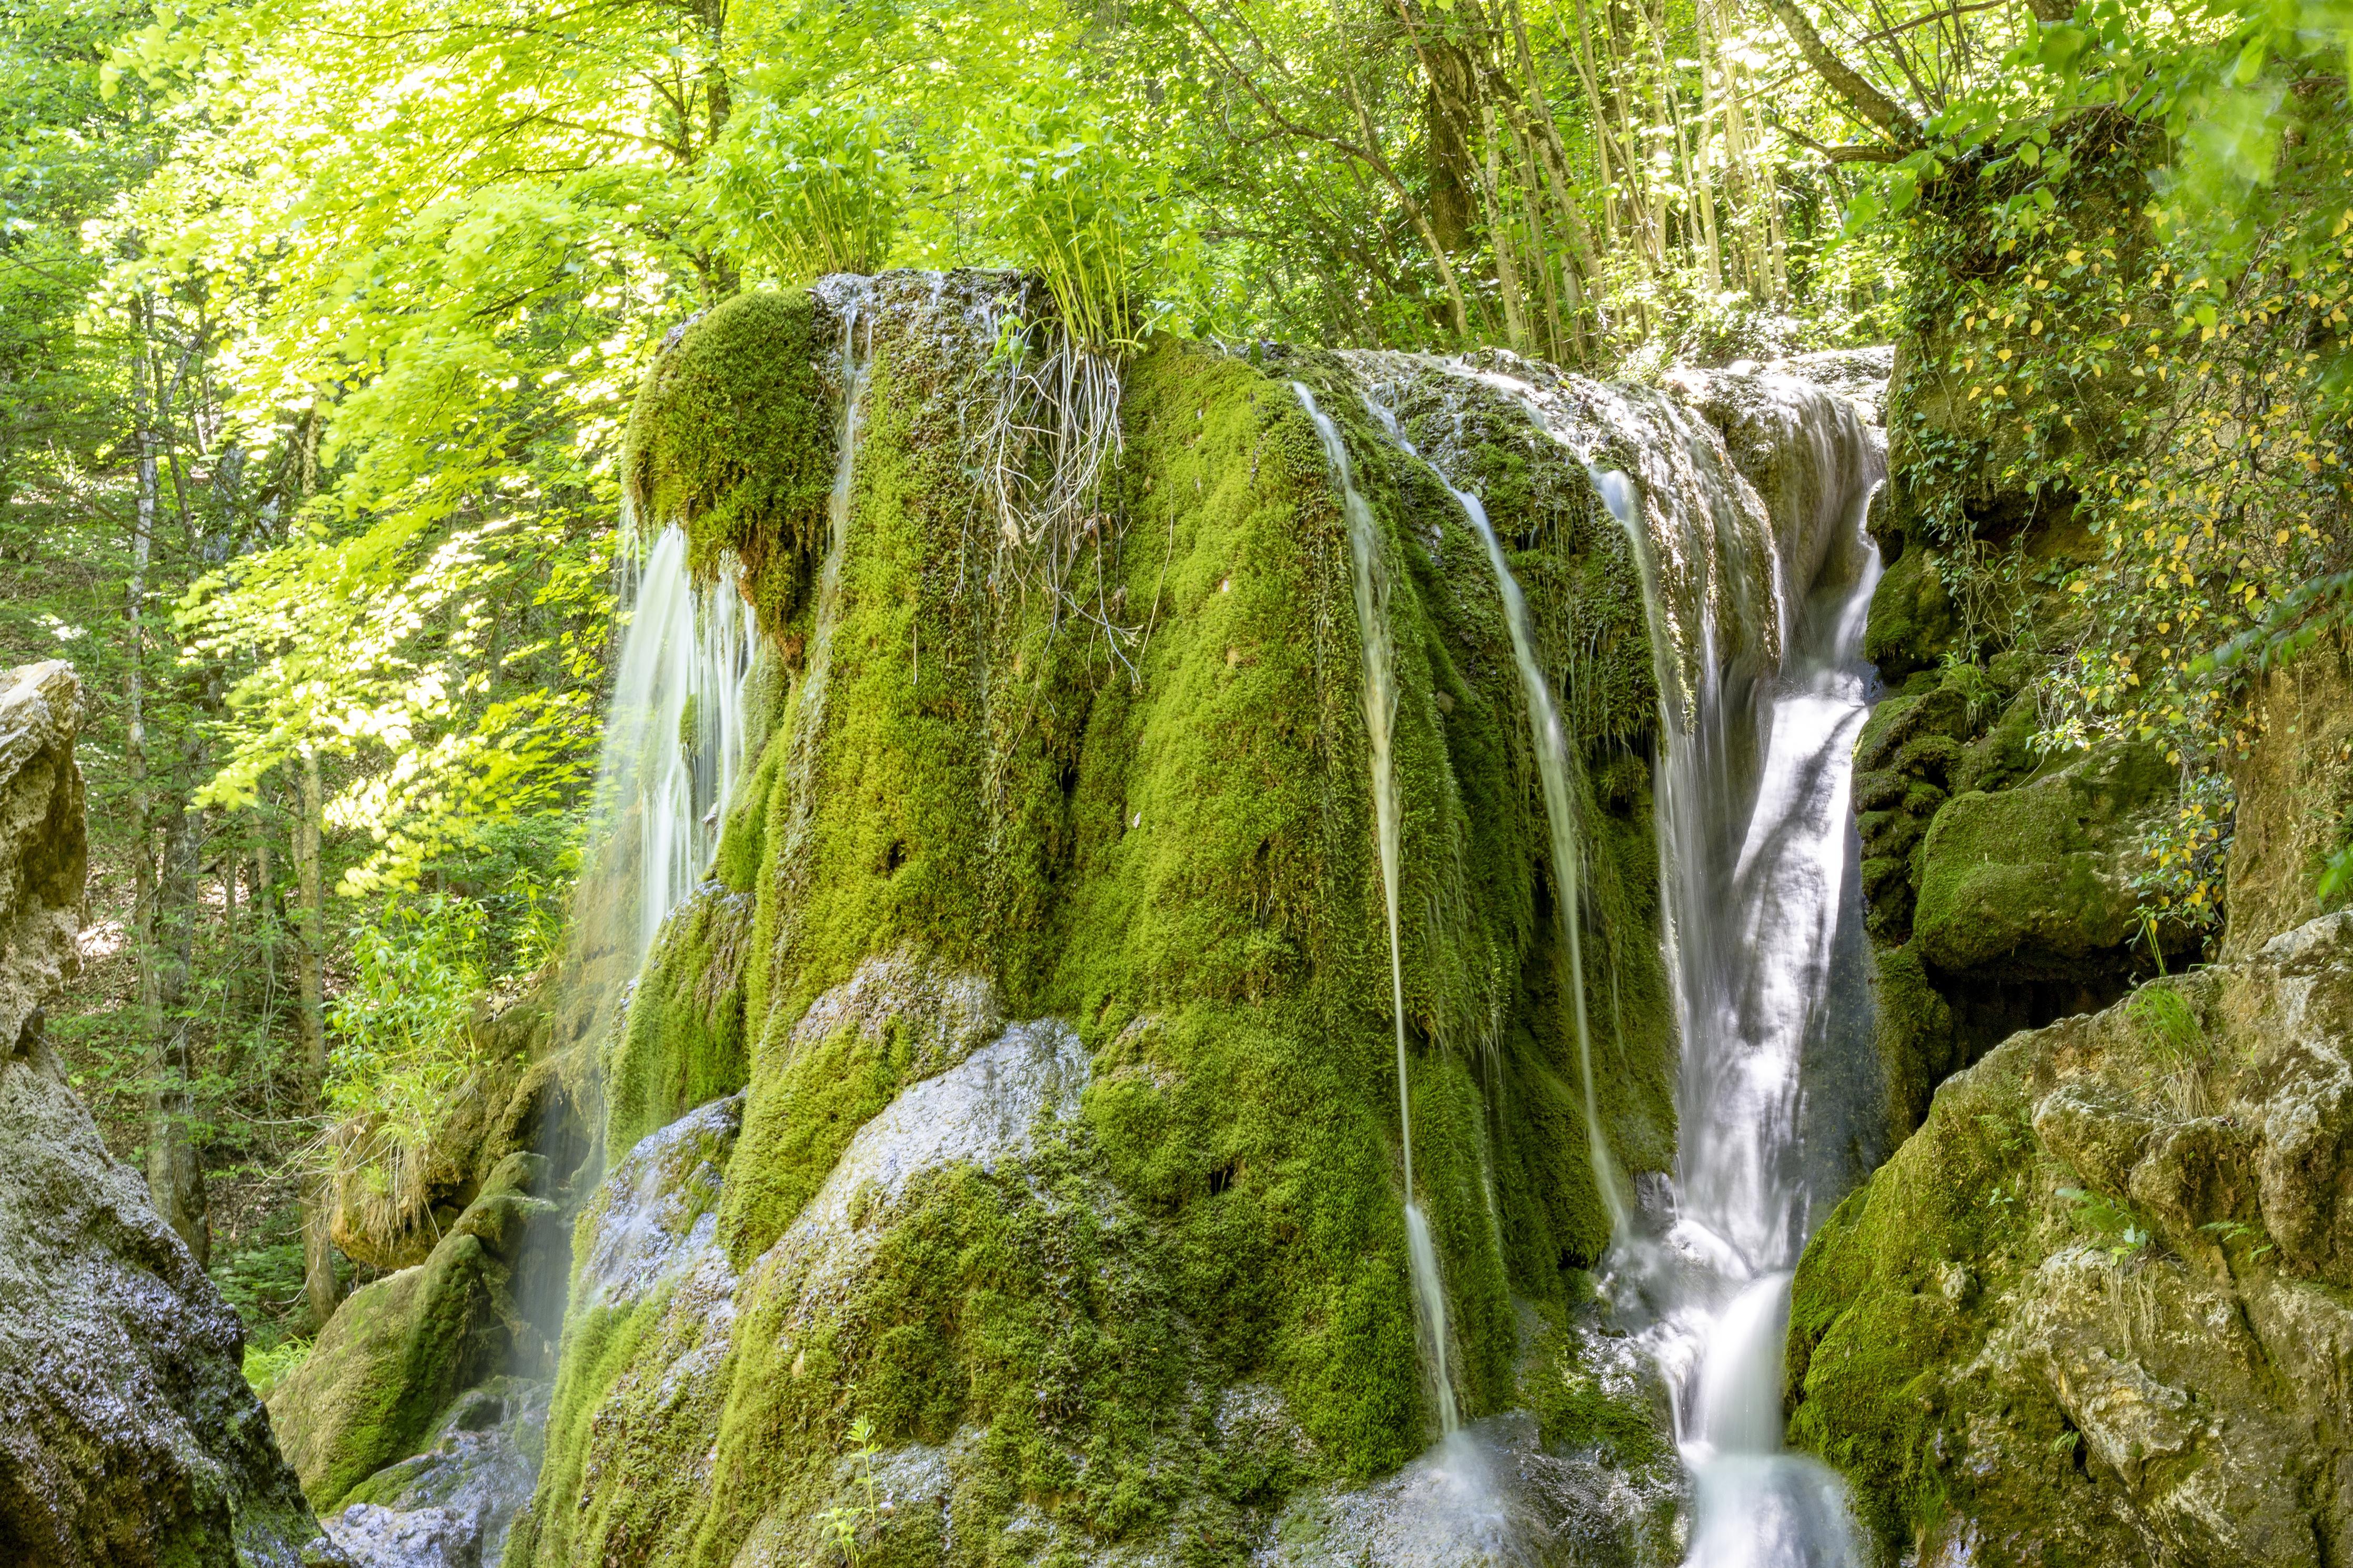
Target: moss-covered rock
[[399, 1350], [2038, 878], [2092, 1311], [1125, 788], [1911, 624], [734, 440]]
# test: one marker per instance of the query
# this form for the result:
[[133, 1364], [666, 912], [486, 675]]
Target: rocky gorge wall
[[2090, 1310], [131, 1437]]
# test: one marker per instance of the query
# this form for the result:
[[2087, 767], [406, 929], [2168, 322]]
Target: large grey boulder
[[128, 1435]]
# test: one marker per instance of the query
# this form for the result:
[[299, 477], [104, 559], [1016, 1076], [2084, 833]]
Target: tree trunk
[[1450, 146], [319, 1282], [174, 1178], [176, 1175]]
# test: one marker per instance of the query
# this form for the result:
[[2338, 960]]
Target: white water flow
[[1372, 589], [674, 736], [1550, 743], [1755, 605], [1759, 882]]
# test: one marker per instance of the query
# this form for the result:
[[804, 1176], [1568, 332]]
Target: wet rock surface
[[651, 1258], [2096, 1309], [130, 1436], [1488, 1497], [451, 1506]]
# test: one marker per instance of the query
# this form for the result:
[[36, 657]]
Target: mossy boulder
[[735, 440], [2093, 1310], [1118, 790], [2037, 877], [1911, 624], [399, 1350]]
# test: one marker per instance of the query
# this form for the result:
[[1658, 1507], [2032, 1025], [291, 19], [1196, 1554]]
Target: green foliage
[[265, 1369], [807, 188], [1080, 209], [2120, 1232], [844, 1522], [401, 1048]]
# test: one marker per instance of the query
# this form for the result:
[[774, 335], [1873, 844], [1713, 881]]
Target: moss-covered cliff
[[2078, 1317], [1142, 1298]]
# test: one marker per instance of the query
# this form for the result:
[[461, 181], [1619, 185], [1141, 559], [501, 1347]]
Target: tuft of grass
[[265, 1369]]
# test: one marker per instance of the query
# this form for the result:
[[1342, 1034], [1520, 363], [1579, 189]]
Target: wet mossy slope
[[1134, 800]]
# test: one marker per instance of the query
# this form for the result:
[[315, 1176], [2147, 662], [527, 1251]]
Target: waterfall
[[1372, 591], [1550, 743], [1757, 850], [1755, 605], [674, 739]]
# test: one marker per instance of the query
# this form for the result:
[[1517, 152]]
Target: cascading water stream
[[1550, 743], [675, 741], [1755, 606], [1372, 593], [1757, 850]]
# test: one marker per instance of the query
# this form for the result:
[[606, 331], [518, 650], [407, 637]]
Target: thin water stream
[[1549, 741], [1756, 604], [1370, 574], [675, 739]]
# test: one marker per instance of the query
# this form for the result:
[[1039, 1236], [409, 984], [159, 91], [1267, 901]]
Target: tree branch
[[1867, 102]]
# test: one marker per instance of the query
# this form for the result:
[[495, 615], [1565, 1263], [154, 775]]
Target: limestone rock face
[[2295, 792], [2095, 1310], [42, 849], [130, 1436]]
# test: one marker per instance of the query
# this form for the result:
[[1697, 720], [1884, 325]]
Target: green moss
[[2030, 875], [1911, 624], [1916, 1043], [392, 1356], [682, 1045], [731, 435], [1877, 1315], [1576, 1408]]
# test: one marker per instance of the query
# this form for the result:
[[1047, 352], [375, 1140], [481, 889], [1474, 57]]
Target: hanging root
[[1046, 435]]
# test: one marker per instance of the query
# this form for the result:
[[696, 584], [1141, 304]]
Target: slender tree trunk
[[175, 1174], [174, 1182], [1499, 236], [319, 1282]]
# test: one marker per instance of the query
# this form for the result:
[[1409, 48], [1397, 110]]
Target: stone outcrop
[[128, 1435], [44, 851], [2296, 793], [2095, 1310], [397, 1354]]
